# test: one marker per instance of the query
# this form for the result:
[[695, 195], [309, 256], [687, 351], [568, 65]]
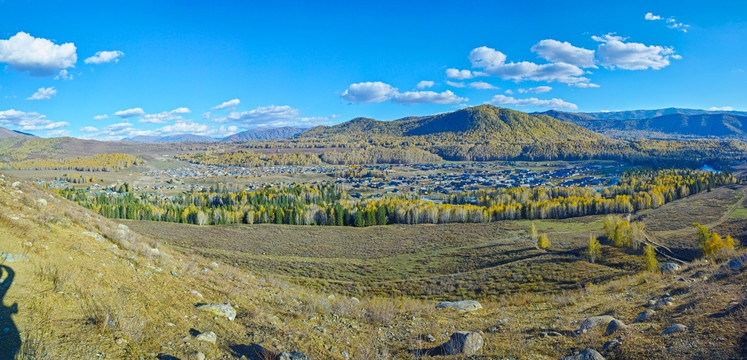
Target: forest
[[327, 204]]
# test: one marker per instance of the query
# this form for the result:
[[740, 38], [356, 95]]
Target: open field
[[427, 261]]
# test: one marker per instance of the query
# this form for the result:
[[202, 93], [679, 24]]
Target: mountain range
[[671, 123], [7, 133], [256, 134]]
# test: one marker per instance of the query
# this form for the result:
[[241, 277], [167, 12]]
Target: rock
[[464, 305], [676, 328], [42, 202], [645, 316], [615, 326], [16, 184], [664, 302], [494, 329], [121, 341], [670, 268], [94, 235], [594, 321], [294, 355], [588, 354], [610, 345], [428, 338], [737, 263], [651, 303], [225, 310], [463, 343], [197, 356], [207, 336], [8, 257]]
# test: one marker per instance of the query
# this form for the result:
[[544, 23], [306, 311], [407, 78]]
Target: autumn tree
[[543, 242], [593, 249], [649, 257]]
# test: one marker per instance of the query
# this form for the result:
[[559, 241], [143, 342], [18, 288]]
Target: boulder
[[594, 321], [464, 305], [588, 354], [645, 316], [463, 343], [737, 263], [676, 328], [610, 345], [615, 326], [207, 336], [197, 356], [224, 310], [8, 257], [294, 355], [670, 268], [664, 302]]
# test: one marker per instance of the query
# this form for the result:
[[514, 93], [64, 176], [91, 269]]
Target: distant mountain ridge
[[8, 133], [265, 134], [256, 134], [661, 123]]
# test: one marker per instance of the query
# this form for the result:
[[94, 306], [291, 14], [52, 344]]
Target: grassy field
[[426, 261]]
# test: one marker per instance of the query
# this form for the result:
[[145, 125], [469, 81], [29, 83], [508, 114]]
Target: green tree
[[533, 233], [649, 256], [593, 249]]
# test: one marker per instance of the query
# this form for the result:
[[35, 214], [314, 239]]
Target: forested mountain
[[263, 134], [479, 123], [673, 125], [643, 114], [7, 133]]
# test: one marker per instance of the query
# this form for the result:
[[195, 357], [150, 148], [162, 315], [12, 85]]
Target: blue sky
[[111, 70]]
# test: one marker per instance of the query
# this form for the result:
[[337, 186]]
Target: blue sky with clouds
[[111, 70]]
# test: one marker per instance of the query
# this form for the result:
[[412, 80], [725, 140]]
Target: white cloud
[[185, 127], [722, 108], [130, 113], [536, 90], [58, 133], [43, 94], [31, 121], [272, 116], [425, 84], [509, 91], [462, 74], [427, 97], [494, 63], [36, 56], [101, 117], [563, 52], [89, 129], [456, 84], [481, 85], [533, 102], [651, 17], [165, 116], [613, 52], [261, 114], [671, 22], [369, 92], [206, 115], [227, 104], [104, 57], [376, 92], [585, 85], [63, 75]]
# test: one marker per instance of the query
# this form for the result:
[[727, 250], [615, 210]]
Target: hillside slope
[[75, 285], [7, 133], [264, 134]]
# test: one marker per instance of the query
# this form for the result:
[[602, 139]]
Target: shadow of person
[[10, 340]]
